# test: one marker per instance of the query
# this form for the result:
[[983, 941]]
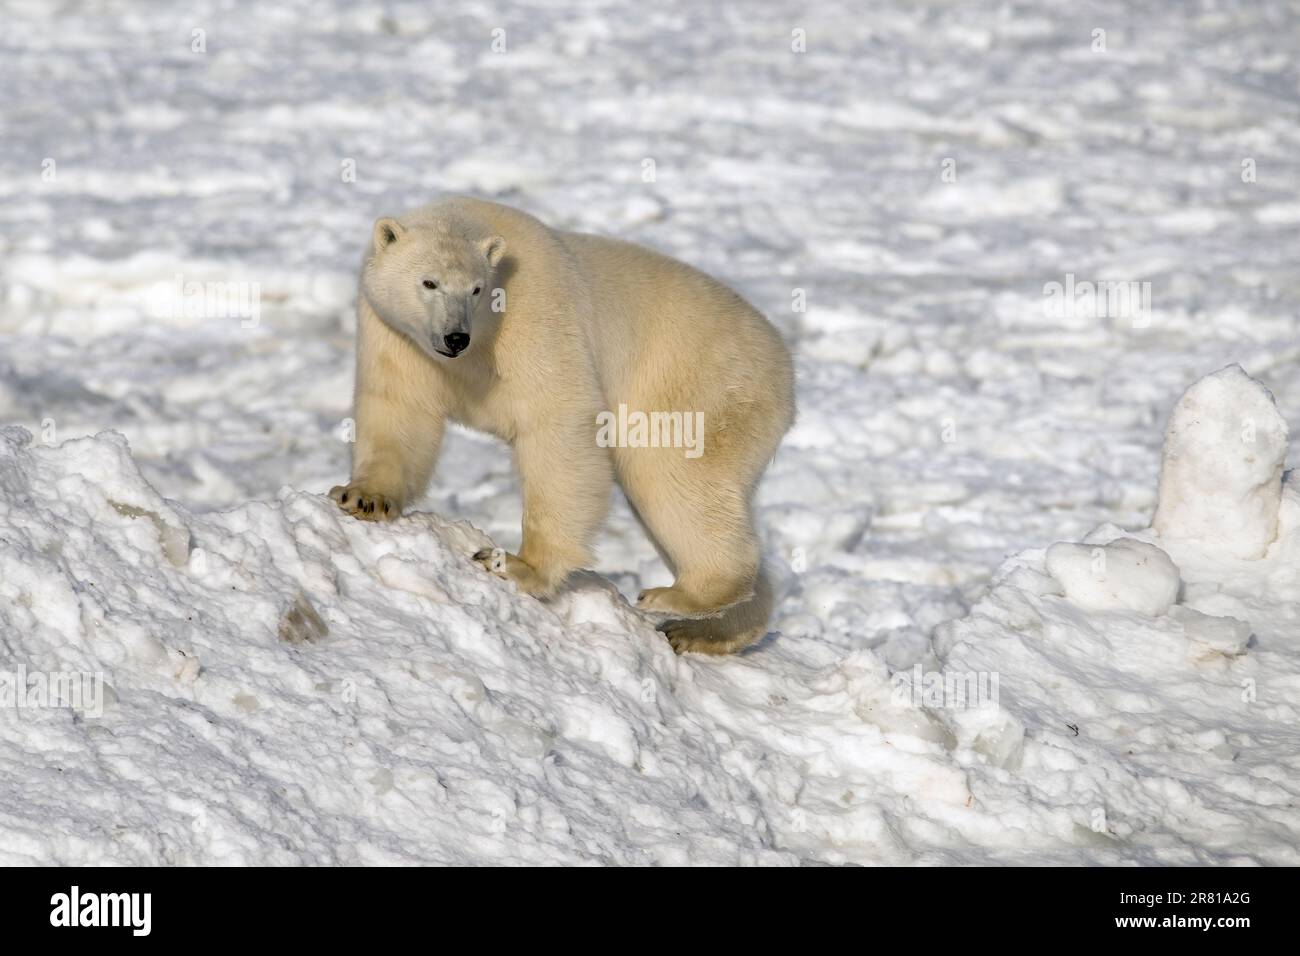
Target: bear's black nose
[[457, 342]]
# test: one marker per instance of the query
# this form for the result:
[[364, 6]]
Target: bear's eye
[[477, 290], [430, 284]]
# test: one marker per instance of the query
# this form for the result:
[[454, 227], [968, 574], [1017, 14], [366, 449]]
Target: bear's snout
[[456, 342]]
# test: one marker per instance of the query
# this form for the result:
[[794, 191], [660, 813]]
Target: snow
[[1124, 574], [269, 681], [1221, 474]]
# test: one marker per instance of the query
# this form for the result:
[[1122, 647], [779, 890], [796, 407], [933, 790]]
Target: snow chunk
[[1126, 574], [1221, 474], [1220, 635]]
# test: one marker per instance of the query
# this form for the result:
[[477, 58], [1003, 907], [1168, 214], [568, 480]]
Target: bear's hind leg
[[734, 629], [702, 524]]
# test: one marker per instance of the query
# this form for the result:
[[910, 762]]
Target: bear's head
[[429, 282]]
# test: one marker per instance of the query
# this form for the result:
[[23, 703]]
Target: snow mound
[[1143, 715], [1221, 472], [280, 683], [1125, 574]]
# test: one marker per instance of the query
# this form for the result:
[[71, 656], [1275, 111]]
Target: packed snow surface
[[1008, 259]]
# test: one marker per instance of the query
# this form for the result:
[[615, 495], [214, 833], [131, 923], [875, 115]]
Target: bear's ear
[[493, 248], [387, 232]]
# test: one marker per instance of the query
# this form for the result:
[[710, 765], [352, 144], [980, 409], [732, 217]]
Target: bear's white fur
[[562, 327]]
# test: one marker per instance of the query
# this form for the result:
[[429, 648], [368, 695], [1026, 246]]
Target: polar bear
[[475, 312]]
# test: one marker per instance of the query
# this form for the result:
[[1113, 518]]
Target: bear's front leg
[[398, 438], [361, 500], [566, 482]]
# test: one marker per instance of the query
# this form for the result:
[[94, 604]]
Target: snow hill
[[285, 684]]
